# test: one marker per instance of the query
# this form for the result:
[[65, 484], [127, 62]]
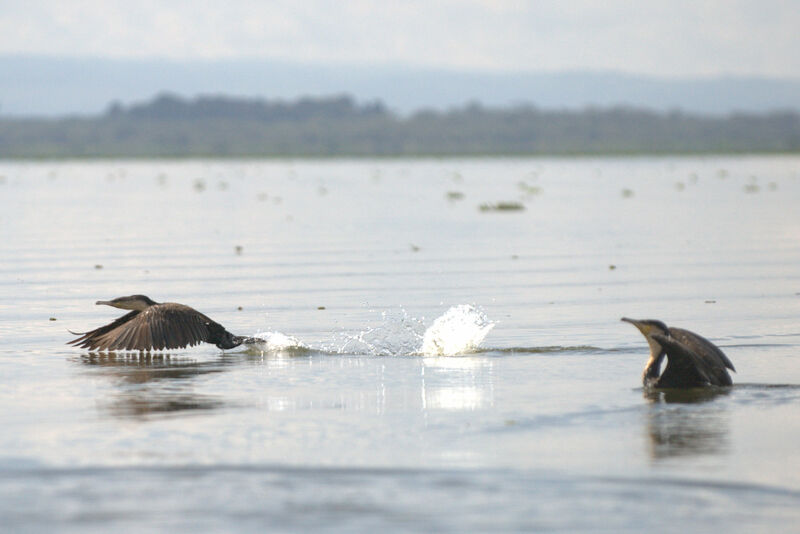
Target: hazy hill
[[169, 125], [51, 86]]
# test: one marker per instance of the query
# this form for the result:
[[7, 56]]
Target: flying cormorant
[[155, 326], [692, 360]]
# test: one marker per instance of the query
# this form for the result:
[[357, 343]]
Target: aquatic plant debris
[[529, 189], [502, 206]]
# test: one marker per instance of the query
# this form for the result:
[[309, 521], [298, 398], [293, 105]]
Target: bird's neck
[[653, 367], [135, 306]]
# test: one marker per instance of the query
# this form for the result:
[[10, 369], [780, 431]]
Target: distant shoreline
[[404, 157], [171, 127]]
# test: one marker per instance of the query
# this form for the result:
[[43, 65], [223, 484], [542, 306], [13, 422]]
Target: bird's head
[[650, 328], [131, 302]]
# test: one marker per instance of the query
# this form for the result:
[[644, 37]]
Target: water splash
[[398, 334], [461, 329], [279, 342]]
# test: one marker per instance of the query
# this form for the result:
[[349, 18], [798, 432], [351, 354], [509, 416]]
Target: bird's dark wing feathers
[[163, 326], [692, 361], [699, 344], [88, 339]]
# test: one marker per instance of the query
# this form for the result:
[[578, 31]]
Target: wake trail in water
[[554, 349], [460, 330]]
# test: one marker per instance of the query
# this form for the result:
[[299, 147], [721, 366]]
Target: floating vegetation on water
[[680, 186], [52, 318], [529, 190], [612, 267], [98, 266], [502, 206], [455, 195], [627, 193], [320, 307], [199, 185], [413, 247], [751, 188], [239, 249]]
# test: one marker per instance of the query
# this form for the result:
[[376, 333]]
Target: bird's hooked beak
[[642, 327], [121, 304]]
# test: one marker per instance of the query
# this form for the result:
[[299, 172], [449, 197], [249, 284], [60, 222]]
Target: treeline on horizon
[[171, 126]]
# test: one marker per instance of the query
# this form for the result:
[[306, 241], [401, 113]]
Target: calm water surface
[[346, 418]]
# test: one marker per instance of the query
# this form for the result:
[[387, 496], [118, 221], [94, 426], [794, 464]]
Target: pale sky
[[674, 38]]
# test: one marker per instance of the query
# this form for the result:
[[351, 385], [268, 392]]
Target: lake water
[[358, 274]]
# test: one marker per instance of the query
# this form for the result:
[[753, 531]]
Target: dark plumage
[[692, 360], [155, 326]]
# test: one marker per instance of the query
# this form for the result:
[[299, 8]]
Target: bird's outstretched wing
[[88, 340], [692, 361], [164, 326]]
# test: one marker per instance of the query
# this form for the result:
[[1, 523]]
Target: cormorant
[[692, 360], [155, 326]]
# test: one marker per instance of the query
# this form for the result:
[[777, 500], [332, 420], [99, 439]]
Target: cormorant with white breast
[[156, 326], [692, 360]]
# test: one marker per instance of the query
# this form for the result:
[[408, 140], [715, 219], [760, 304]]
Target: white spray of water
[[461, 329], [397, 335], [279, 342]]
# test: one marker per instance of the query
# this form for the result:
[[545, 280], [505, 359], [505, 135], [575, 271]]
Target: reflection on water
[[147, 384], [686, 422], [144, 385], [463, 383], [142, 368], [684, 396], [528, 421], [146, 403]]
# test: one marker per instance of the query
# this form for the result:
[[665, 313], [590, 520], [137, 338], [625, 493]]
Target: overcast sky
[[673, 38]]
